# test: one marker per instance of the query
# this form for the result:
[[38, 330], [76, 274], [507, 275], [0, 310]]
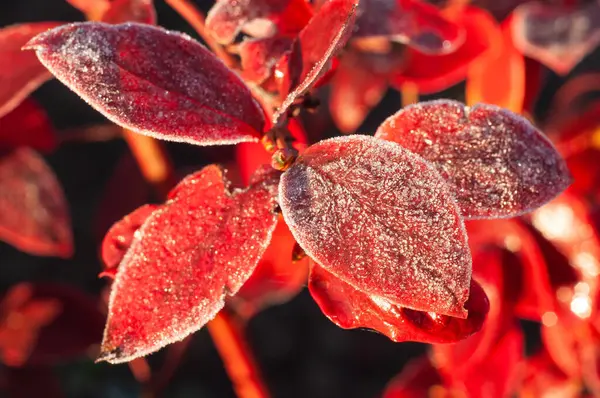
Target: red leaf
[[276, 279], [312, 52], [20, 72], [544, 378], [496, 162], [227, 18], [358, 85], [130, 10], [159, 83], [433, 73], [415, 23], [567, 224], [498, 76], [529, 276], [49, 327], [382, 220], [201, 246], [33, 211], [557, 36], [418, 379], [350, 308], [457, 361], [259, 56], [586, 173], [27, 125], [119, 237], [499, 374]]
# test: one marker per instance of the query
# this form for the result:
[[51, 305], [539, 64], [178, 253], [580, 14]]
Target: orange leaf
[[498, 77]]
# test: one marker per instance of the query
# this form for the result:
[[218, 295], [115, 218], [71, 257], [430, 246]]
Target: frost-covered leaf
[[381, 219], [152, 81], [198, 248], [351, 308], [433, 73], [313, 50], [119, 237], [20, 71], [27, 125], [259, 56], [33, 210], [227, 18], [557, 36], [496, 162], [42, 324], [415, 23]]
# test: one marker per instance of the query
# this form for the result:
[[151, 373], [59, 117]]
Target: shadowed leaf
[[27, 125], [415, 23], [158, 83], [557, 36], [496, 162], [33, 211]]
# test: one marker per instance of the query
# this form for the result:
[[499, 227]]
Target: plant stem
[[196, 19], [236, 356], [410, 94], [152, 159]]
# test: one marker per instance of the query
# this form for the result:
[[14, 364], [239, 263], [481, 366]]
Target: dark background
[[301, 353]]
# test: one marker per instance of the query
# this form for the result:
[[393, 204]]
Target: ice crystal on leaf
[[152, 81], [497, 163], [188, 255], [382, 220]]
